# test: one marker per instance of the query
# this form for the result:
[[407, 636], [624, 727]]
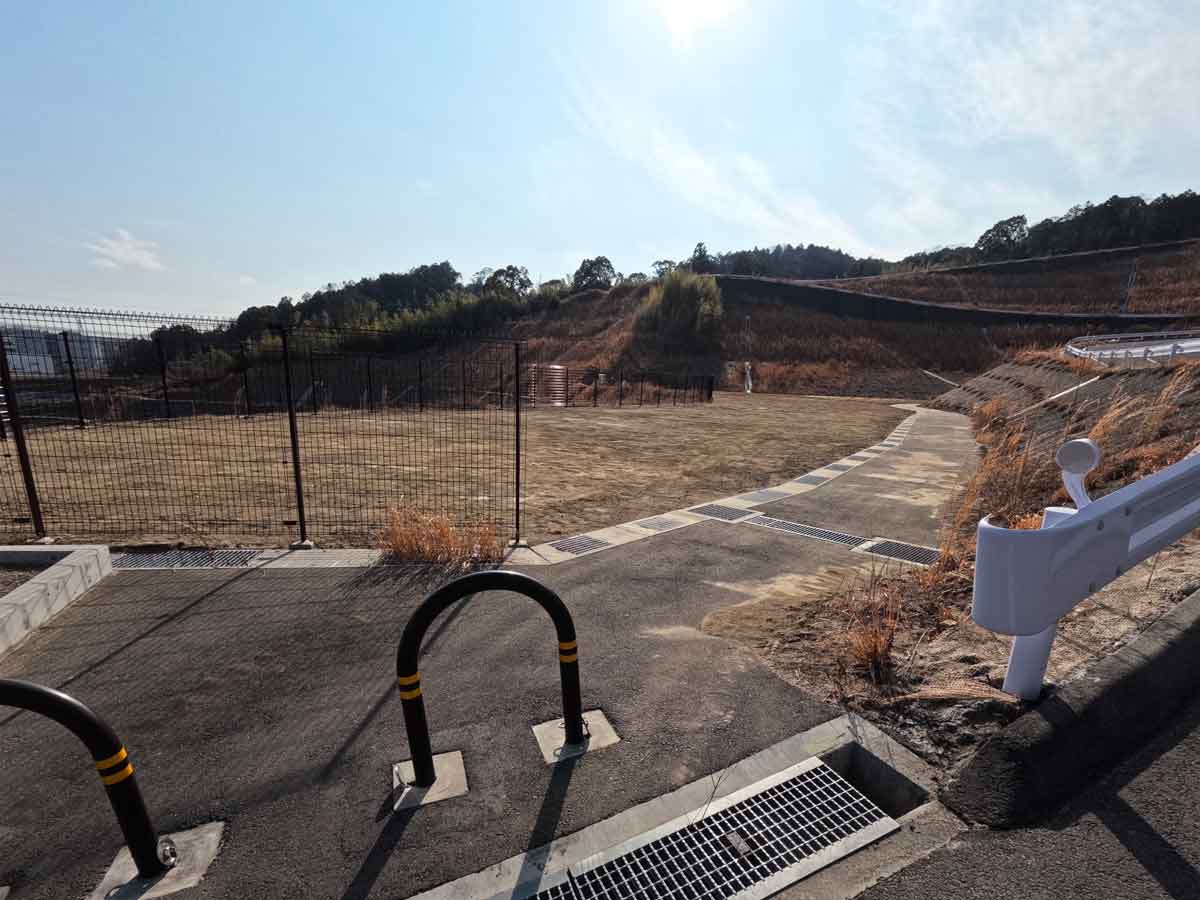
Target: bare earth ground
[[201, 480], [594, 467], [12, 577]]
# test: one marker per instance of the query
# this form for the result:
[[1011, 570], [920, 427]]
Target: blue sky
[[202, 158]]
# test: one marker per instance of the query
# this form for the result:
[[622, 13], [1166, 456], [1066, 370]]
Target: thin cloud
[[247, 280], [124, 251], [737, 188]]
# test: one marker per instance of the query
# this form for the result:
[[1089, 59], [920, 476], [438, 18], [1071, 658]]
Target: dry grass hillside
[[792, 349], [1165, 281]]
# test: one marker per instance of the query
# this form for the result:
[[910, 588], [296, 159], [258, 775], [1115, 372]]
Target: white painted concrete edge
[[75, 568]]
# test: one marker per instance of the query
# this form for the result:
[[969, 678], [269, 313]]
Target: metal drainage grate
[[749, 845], [725, 513], [766, 495], [839, 467], [810, 531], [660, 523], [185, 559], [810, 479], [907, 552], [579, 544], [862, 454]]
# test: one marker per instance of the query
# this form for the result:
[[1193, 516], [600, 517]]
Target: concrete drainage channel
[[840, 807]]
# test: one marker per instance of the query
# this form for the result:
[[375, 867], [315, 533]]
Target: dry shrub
[[873, 608], [416, 536], [1080, 365], [990, 413], [786, 378]]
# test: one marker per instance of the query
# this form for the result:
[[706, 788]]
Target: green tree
[[663, 267], [597, 272], [1004, 240]]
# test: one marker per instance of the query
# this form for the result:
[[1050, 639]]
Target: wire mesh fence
[[164, 428], [154, 428]]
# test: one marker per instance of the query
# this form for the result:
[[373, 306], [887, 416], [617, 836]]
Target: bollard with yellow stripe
[[408, 675], [112, 763]]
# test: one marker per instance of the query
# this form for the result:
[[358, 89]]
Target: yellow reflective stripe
[[112, 760], [569, 645], [410, 695], [409, 679], [118, 776], [568, 658]]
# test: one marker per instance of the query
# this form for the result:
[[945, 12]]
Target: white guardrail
[[1026, 580], [1118, 348]]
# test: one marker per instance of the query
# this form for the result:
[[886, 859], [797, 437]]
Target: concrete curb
[[75, 569], [1071, 738]]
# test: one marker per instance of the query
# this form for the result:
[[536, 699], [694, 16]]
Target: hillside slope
[[1149, 280]]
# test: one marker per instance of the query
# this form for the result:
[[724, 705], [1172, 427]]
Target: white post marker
[[1025, 581], [749, 382]]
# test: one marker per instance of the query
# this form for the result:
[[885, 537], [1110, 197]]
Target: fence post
[[74, 380], [464, 385], [420, 386], [641, 386], [370, 387], [596, 388], [568, 391], [620, 388], [658, 392], [14, 417], [287, 385], [517, 408], [312, 382], [162, 366], [246, 380]]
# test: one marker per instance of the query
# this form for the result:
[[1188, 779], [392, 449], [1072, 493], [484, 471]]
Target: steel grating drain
[[580, 544], [749, 845], [185, 559], [839, 467], [908, 552], [660, 523], [810, 531], [724, 513], [810, 479], [766, 495]]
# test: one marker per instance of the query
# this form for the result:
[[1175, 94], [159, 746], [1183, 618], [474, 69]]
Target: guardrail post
[[113, 764], [74, 381], [18, 429], [295, 436], [162, 366], [408, 675]]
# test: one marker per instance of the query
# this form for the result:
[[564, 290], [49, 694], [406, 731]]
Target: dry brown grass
[[873, 606], [1080, 365], [1168, 281], [415, 536]]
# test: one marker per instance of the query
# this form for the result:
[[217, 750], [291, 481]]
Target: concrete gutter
[[73, 569], [1071, 738]]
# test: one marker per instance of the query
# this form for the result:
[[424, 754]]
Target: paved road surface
[[1134, 836]]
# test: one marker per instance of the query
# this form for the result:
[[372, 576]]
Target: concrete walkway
[[265, 697]]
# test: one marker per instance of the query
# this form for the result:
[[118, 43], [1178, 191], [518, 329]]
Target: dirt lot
[[590, 468], [200, 479]]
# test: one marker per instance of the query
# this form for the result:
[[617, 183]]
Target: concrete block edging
[[73, 570], [1075, 735]]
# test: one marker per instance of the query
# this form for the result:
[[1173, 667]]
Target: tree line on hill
[[433, 298]]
